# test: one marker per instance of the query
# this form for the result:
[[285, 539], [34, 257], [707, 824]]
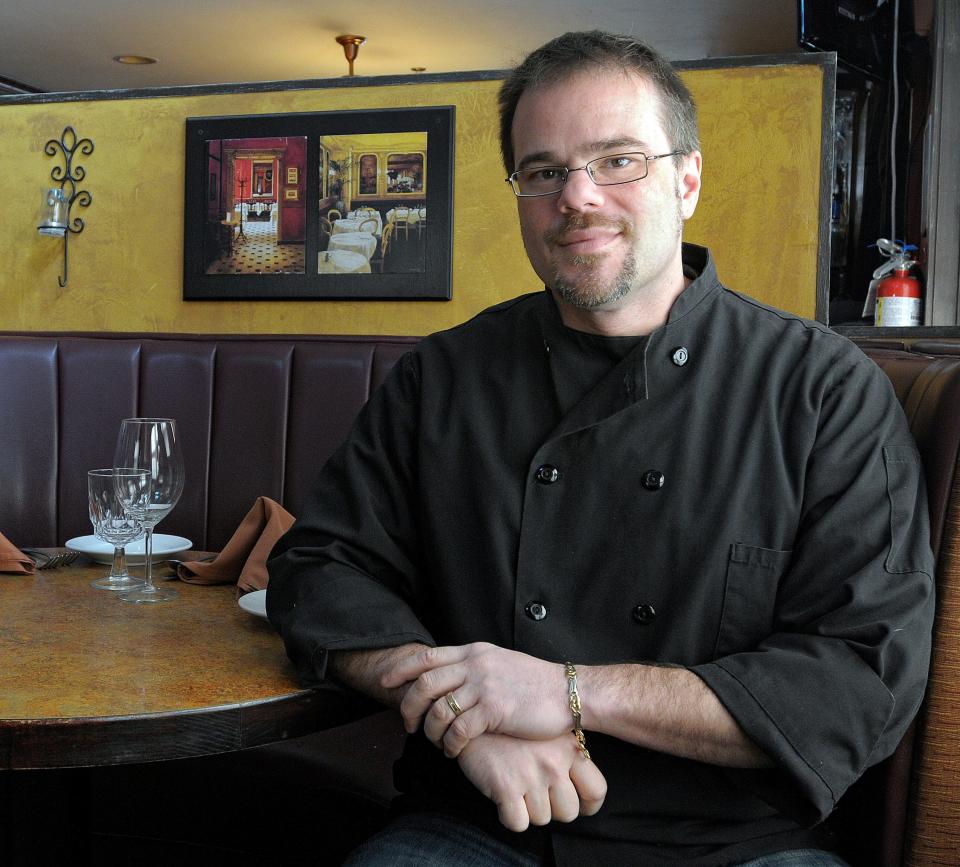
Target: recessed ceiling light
[[134, 59]]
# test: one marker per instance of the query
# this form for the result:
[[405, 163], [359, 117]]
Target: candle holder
[[61, 198]]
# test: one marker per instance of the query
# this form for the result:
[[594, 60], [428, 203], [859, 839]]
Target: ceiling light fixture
[[134, 59], [351, 46], [418, 68]]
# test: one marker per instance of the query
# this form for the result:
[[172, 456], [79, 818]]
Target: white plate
[[164, 547], [254, 602]]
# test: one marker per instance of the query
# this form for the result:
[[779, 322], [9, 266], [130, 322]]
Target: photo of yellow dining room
[[373, 215]]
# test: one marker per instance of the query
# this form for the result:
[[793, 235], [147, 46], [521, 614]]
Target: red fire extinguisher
[[899, 300]]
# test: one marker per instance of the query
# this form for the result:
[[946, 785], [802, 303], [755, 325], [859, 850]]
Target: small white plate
[[254, 602], [164, 547]]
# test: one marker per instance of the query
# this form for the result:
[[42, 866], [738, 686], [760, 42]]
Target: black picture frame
[[205, 209]]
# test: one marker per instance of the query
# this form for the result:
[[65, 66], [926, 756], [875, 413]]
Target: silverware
[[43, 560], [175, 564]]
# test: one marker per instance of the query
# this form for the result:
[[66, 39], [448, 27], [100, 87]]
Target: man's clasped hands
[[505, 717]]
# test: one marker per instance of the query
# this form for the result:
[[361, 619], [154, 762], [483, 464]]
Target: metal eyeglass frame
[[588, 168]]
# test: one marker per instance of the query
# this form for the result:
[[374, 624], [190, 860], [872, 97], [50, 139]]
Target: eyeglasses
[[603, 171]]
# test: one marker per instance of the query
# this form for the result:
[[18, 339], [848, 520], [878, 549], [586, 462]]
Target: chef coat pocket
[[749, 597], [908, 510]]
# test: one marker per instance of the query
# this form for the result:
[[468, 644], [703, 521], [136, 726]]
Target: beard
[[587, 288], [590, 290]]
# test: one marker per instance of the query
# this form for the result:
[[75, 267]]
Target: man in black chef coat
[[643, 563]]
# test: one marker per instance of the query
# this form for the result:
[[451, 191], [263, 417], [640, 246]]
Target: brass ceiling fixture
[[351, 46], [134, 59]]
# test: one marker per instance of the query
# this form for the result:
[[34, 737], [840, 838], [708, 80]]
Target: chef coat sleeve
[[346, 575], [834, 688]]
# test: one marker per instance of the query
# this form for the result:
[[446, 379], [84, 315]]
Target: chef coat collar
[[698, 262], [628, 381]]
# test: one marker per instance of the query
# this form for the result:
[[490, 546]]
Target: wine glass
[[113, 522], [151, 444]]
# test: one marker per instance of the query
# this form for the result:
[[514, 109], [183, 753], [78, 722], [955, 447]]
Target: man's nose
[[579, 192]]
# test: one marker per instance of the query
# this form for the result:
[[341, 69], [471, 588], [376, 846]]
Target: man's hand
[[663, 708], [363, 670], [534, 782], [499, 691]]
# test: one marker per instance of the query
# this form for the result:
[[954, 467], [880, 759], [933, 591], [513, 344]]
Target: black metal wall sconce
[[61, 199]]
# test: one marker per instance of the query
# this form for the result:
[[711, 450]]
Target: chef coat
[[739, 495]]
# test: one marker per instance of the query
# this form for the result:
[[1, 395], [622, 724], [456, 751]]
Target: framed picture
[[367, 176], [405, 173], [351, 222], [261, 184]]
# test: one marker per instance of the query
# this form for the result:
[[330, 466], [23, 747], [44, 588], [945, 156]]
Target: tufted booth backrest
[[906, 811], [256, 416]]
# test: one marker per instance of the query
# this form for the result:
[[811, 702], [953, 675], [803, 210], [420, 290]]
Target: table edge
[[184, 733]]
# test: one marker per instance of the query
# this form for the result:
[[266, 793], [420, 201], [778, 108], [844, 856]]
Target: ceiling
[[66, 45]]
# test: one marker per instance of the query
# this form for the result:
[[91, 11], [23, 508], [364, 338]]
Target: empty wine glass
[[151, 444], [113, 522]]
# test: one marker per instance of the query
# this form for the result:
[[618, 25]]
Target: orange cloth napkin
[[12, 559], [244, 558]]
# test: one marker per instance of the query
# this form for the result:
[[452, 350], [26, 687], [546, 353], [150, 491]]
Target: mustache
[[578, 222]]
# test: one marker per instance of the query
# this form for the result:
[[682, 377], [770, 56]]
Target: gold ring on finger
[[452, 704]]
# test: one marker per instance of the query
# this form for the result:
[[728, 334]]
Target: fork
[[50, 561]]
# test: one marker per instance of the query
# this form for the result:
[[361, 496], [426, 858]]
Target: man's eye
[[545, 174], [619, 163]]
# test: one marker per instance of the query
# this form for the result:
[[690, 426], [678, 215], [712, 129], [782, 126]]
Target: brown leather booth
[[259, 415], [906, 811]]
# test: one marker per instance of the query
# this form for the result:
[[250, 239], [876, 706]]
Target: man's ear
[[689, 177]]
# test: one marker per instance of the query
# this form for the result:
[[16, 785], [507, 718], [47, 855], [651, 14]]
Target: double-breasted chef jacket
[[740, 495]]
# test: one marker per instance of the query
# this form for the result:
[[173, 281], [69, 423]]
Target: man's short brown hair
[[579, 51]]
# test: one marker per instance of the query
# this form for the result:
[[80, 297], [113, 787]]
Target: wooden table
[[87, 679]]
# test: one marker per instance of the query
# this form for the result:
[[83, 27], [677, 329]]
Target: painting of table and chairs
[[374, 205], [366, 240]]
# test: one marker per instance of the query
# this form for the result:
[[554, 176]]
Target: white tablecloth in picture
[[345, 225], [360, 216], [357, 242], [342, 262], [397, 214], [350, 224]]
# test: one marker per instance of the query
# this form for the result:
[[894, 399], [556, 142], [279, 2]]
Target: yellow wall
[[758, 212]]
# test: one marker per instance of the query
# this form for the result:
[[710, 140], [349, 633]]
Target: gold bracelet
[[575, 708]]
